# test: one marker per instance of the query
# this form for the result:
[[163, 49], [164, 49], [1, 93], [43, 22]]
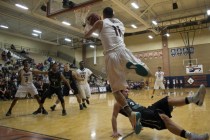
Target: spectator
[[13, 47], [2, 89], [4, 56], [23, 51], [9, 56]]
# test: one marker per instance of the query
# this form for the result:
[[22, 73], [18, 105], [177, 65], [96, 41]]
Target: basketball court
[[95, 121], [172, 34]]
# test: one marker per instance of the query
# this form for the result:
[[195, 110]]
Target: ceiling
[[22, 22]]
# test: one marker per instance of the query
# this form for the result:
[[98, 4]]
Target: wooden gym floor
[[94, 123]]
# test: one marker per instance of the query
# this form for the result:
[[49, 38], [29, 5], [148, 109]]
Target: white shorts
[[84, 91], [23, 90], [115, 61], [158, 85]]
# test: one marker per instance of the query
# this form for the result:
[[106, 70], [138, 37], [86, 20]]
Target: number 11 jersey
[[112, 34]]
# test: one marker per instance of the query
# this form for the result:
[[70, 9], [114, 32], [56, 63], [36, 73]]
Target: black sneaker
[[64, 113], [80, 107], [53, 107], [152, 96], [84, 105], [87, 101], [9, 113], [37, 111], [44, 111]]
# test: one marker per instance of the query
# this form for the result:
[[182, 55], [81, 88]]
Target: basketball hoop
[[81, 14]]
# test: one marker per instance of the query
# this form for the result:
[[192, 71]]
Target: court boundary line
[[129, 134], [35, 133]]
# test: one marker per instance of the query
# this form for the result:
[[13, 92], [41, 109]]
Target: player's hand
[[116, 135]]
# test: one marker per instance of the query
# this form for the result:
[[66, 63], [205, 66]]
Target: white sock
[[187, 134]]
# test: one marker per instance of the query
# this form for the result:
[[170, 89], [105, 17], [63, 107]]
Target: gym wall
[[141, 43]]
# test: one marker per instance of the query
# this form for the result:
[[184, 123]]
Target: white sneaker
[[199, 97], [198, 137]]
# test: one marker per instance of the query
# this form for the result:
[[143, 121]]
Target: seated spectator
[[9, 56], [4, 56], [2, 90], [23, 51], [13, 47]]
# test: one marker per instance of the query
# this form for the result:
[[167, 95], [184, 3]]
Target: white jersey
[[85, 73], [159, 76], [26, 77], [112, 34]]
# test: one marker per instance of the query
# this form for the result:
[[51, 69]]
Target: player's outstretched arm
[[39, 72], [65, 81], [76, 76], [97, 26]]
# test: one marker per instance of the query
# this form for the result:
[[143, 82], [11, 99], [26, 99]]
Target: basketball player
[[72, 77], [159, 81], [157, 116], [118, 59], [84, 87], [55, 78], [26, 86]]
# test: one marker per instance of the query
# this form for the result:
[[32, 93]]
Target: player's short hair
[[24, 61], [81, 62], [159, 67], [108, 12]]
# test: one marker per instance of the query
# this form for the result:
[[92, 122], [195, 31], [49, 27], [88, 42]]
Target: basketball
[[92, 18]]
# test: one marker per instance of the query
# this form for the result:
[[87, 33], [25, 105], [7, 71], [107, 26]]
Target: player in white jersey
[[83, 86], [159, 81], [118, 59], [26, 86]]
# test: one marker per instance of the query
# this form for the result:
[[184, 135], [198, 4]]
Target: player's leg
[[82, 95], [33, 91], [65, 92], [179, 131], [134, 63], [21, 93], [134, 117], [162, 86], [41, 107], [198, 98], [60, 97], [88, 93], [156, 87], [9, 112], [55, 104], [76, 93]]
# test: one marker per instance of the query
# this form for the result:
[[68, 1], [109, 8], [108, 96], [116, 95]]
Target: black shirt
[[55, 79], [134, 107]]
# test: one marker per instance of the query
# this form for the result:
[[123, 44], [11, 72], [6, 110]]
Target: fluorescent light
[[3, 26], [94, 34], [167, 34], [21, 6], [208, 12], [151, 37], [67, 39], [35, 34], [135, 5], [154, 22], [66, 23], [92, 46], [37, 31], [134, 26]]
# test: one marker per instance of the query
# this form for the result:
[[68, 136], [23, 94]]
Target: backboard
[[55, 7]]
